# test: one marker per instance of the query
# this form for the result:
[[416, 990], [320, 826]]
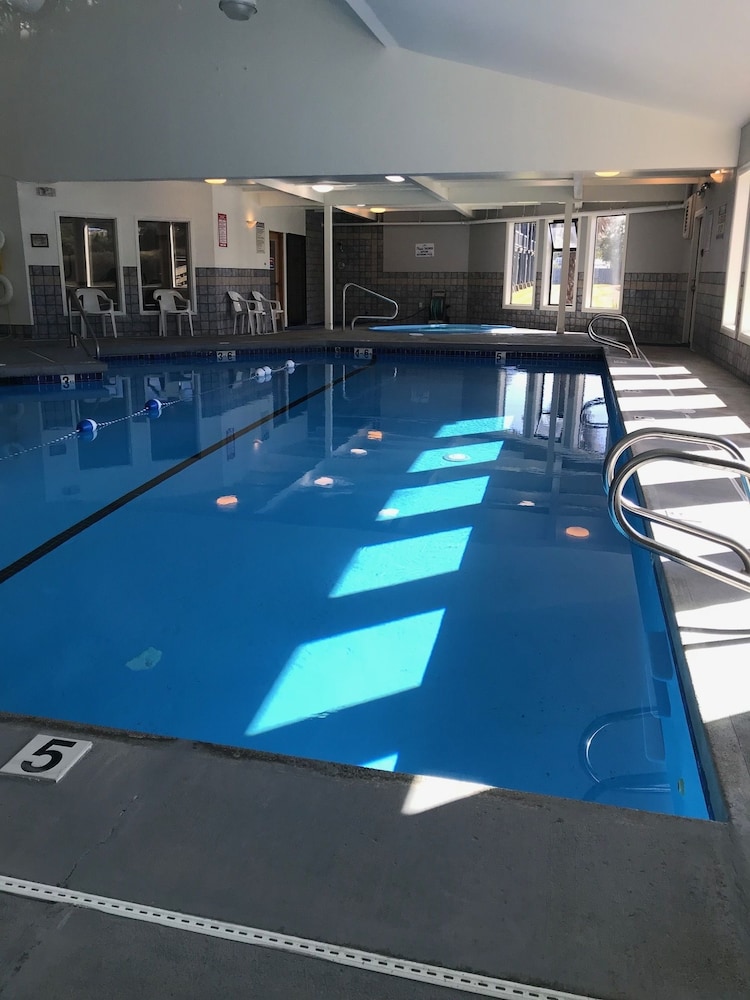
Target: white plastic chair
[[172, 303], [246, 309], [272, 309], [93, 302]]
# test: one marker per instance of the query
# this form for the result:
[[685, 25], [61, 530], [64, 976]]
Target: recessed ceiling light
[[322, 188], [394, 178], [361, 204], [215, 180], [606, 173], [378, 211]]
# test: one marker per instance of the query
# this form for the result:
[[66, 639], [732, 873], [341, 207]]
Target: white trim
[[738, 254], [588, 270], [435, 975], [193, 296], [118, 263], [368, 17], [547, 263], [508, 272]]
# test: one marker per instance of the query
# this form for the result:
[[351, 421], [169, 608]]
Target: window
[[164, 259], [605, 263], [555, 258], [736, 312], [520, 265], [89, 256]]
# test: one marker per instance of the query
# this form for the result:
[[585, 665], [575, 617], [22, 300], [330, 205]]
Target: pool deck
[[601, 902]]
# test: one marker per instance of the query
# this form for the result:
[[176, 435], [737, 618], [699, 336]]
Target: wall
[[653, 297], [708, 337], [145, 90], [12, 256], [216, 269]]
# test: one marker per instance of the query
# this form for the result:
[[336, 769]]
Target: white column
[[328, 264], [565, 267]]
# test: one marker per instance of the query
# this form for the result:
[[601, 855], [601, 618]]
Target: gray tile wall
[[708, 337], [214, 315]]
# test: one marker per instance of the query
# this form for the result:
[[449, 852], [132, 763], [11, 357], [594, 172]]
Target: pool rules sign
[[46, 758]]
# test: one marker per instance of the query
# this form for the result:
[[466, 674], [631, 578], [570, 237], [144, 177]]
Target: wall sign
[[424, 249], [222, 229], [260, 237], [39, 240], [46, 758]]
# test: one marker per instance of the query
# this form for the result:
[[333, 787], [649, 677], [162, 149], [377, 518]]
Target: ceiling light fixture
[[394, 178], [322, 188], [238, 10], [606, 173], [722, 174], [378, 211], [215, 180]]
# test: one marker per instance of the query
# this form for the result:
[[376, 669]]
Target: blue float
[[87, 429], [153, 407]]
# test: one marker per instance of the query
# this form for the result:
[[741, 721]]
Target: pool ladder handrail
[[77, 341], [370, 291], [599, 338], [614, 485]]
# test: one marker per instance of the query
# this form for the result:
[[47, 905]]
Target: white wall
[[148, 89], [487, 247], [12, 256], [451, 248], [655, 243]]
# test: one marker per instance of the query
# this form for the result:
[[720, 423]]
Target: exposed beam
[[368, 17], [439, 191]]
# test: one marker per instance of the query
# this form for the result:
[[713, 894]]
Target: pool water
[[394, 566]]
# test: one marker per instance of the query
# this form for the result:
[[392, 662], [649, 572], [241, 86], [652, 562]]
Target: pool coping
[[593, 899]]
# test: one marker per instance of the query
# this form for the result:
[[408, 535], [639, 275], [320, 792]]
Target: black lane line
[[75, 529]]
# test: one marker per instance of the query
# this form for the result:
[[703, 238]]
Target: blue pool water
[[447, 328], [396, 566]]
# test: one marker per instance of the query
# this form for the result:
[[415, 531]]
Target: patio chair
[[272, 309], [172, 303], [93, 302]]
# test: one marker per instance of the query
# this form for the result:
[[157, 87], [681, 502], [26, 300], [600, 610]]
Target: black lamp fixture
[[239, 10]]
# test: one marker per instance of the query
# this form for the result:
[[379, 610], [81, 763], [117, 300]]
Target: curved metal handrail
[[617, 505], [353, 284], [608, 342], [655, 433], [76, 341]]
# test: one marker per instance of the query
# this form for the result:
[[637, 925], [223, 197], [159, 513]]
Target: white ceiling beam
[[369, 18], [440, 191], [303, 191]]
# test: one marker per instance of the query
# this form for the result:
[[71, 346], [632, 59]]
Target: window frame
[[579, 221], [588, 272], [189, 292], [736, 291], [510, 248], [120, 309]]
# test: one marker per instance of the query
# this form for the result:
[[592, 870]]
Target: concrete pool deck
[[594, 900]]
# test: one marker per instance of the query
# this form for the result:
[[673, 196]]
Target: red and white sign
[[222, 229]]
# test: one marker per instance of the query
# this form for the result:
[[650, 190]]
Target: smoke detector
[[239, 10]]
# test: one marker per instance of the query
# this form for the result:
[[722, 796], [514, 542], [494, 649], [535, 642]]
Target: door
[[296, 281], [696, 252], [276, 244]]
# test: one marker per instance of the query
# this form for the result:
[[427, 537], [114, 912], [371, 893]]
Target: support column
[[328, 264], [567, 226]]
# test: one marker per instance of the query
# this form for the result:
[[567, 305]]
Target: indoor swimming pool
[[393, 565]]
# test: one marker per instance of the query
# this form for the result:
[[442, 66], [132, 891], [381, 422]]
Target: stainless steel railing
[[618, 504], [352, 284], [632, 351]]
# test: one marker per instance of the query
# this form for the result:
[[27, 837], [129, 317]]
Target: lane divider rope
[[466, 982]]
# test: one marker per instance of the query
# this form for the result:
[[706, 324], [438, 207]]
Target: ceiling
[[670, 54], [667, 55]]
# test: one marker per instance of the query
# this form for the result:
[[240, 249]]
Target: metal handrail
[[657, 433], [76, 341], [608, 342], [353, 284], [618, 504]]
